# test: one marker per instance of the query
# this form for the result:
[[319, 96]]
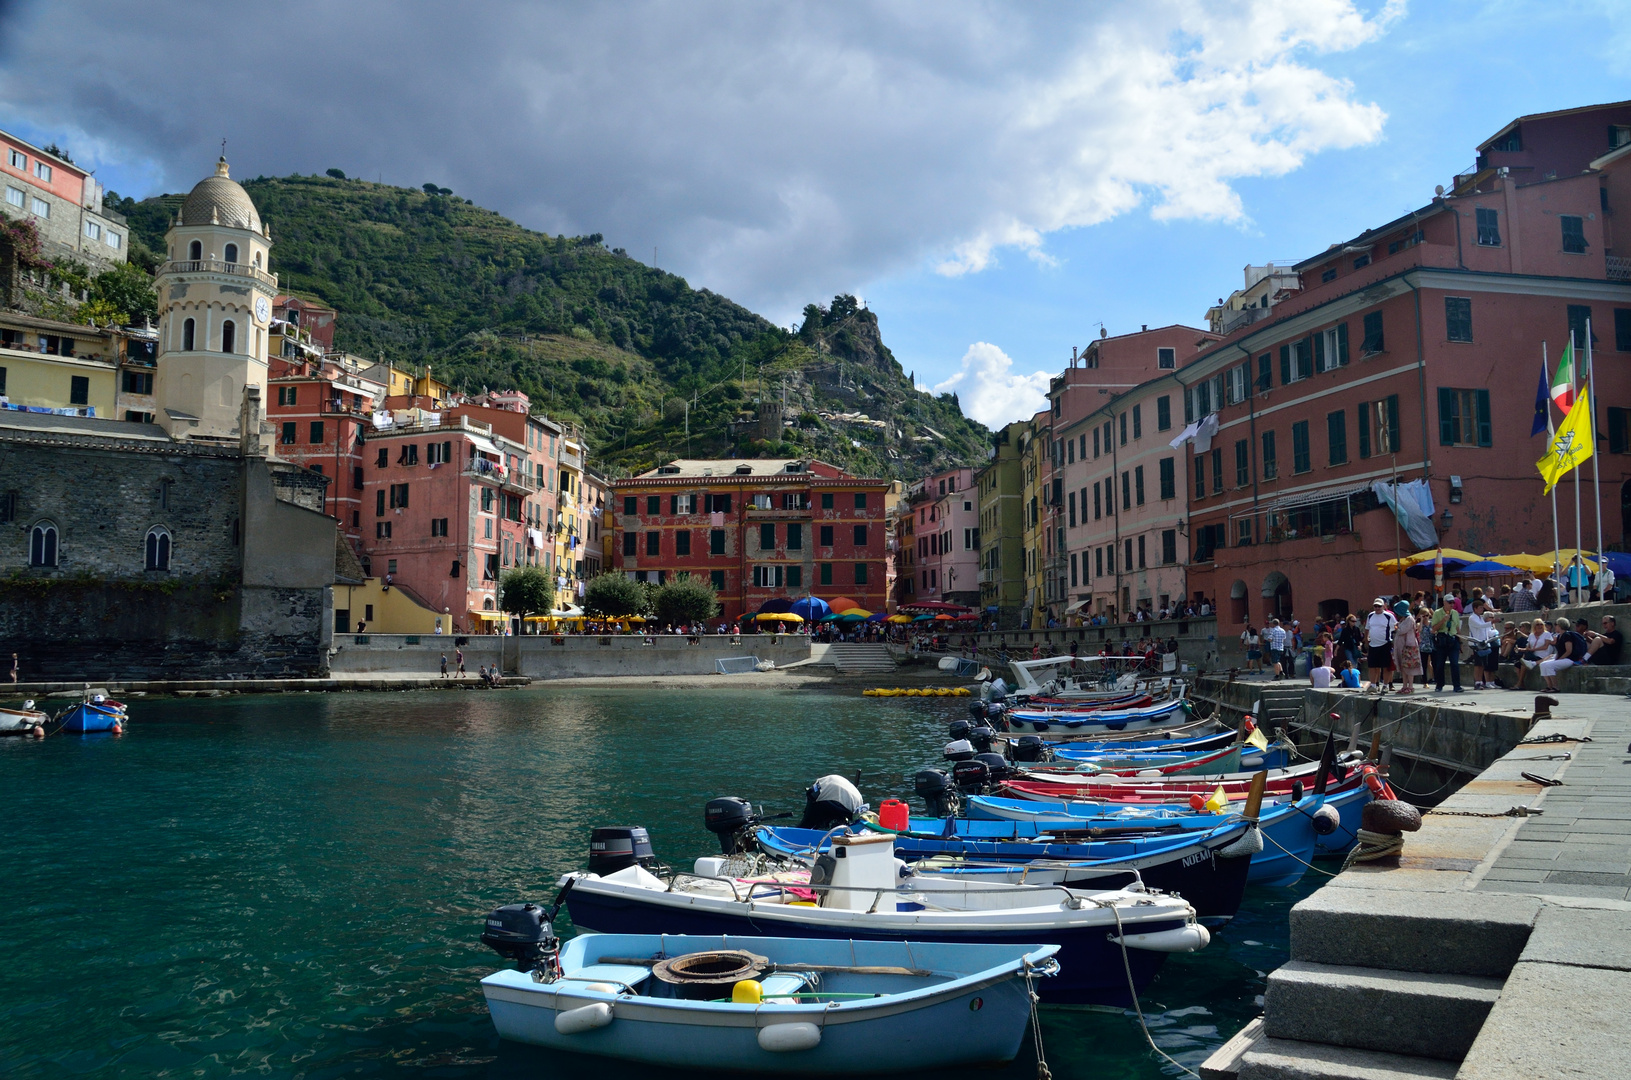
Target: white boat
[[23, 721], [773, 1005], [1086, 679]]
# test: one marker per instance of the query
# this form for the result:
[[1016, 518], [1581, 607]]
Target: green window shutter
[[1364, 411], [1285, 364], [1446, 417], [1616, 431], [1342, 344], [1393, 421], [1319, 352], [1484, 433]]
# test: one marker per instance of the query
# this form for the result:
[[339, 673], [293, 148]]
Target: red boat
[[1138, 789]]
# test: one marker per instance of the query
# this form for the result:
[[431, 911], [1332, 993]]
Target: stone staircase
[[1282, 705], [860, 659]]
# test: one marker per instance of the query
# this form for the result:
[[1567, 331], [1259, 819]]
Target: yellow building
[[572, 511], [419, 388], [53, 365], [388, 610]]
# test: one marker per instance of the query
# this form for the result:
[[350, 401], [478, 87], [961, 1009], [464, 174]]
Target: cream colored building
[[215, 311]]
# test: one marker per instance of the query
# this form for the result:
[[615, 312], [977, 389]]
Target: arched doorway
[[1238, 612], [1276, 597], [1333, 609]]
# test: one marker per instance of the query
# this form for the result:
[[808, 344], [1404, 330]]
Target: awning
[[1076, 608], [486, 446], [1310, 498]]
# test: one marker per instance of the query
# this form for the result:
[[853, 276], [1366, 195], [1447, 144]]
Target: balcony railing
[[515, 478], [218, 266], [1619, 268]]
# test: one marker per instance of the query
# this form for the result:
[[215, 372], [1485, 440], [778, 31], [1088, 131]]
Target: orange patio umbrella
[[842, 604]]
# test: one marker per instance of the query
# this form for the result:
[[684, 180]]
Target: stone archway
[[1276, 596], [1239, 609]]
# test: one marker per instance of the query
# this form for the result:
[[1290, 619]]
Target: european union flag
[[1542, 397]]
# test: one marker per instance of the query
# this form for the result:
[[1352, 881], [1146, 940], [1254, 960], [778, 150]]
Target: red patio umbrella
[[841, 605]]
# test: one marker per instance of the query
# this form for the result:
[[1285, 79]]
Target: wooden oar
[[828, 969], [1254, 797]]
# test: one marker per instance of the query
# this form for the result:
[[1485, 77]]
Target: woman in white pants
[[1569, 650]]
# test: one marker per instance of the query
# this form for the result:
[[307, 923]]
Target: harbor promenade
[[1496, 946]]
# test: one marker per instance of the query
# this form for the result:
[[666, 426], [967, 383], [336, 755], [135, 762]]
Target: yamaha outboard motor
[[932, 787], [525, 933], [618, 847], [961, 750], [996, 765], [980, 738], [959, 730], [976, 709], [1027, 748], [971, 775], [831, 801], [732, 820]]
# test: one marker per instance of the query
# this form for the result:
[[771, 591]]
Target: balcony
[[571, 461], [987, 577], [217, 266], [1619, 268], [482, 469]]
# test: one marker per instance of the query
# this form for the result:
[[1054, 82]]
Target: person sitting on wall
[[1349, 675], [1604, 648]]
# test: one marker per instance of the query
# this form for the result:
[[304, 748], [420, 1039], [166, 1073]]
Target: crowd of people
[[1405, 640]]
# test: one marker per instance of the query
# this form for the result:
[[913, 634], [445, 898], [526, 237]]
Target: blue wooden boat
[[96, 714], [1207, 867], [856, 892], [1113, 758], [1035, 722], [834, 1008]]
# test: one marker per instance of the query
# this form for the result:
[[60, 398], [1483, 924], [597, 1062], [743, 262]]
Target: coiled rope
[[1373, 846]]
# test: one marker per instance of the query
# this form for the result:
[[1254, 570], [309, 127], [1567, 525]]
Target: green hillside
[[633, 354]]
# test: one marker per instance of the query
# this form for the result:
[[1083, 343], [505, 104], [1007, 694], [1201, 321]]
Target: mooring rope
[[1132, 991], [1373, 846], [1042, 1070]]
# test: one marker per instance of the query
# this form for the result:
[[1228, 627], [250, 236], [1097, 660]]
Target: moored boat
[[95, 714], [24, 721]]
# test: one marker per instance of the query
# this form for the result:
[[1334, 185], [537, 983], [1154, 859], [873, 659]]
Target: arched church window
[[229, 336], [187, 329], [158, 548], [195, 251], [42, 545], [232, 253], [257, 260]]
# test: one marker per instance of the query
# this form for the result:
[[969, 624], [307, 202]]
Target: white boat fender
[[786, 1038], [1249, 844], [1326, 820], [1191, 938], [585, 1018]]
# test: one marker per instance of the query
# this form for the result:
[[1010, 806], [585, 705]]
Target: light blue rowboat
[[934, 1005]]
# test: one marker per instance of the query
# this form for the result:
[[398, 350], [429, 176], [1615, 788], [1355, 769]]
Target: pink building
[[957, 512]]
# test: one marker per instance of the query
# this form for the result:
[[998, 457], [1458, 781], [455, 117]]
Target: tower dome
[[220, 200]]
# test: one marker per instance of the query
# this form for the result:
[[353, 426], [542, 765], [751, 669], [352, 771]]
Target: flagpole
[[1596, 488], [1551, 434], [1579, 536]]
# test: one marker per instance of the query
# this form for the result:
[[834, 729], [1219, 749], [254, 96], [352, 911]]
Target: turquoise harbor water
[[292, 886]]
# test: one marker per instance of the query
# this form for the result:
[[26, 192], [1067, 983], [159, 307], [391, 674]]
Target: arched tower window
[[187, 329], [232, 253], [158, 548], [42, 545], [195, 251], [257, 260], [229, 336]]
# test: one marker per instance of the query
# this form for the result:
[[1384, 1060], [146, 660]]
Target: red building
[[319, 409], [1413, 350], [757, 529]]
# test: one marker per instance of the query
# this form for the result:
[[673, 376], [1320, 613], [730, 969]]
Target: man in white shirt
[[1379, 643], [1274, 640], [1320, 677]]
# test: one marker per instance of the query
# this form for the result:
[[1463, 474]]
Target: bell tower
[[215, 311]]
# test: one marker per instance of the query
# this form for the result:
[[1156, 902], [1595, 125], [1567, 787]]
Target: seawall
[[565, 657]]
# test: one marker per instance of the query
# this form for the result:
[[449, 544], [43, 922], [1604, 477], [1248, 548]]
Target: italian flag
[[1563, 381]]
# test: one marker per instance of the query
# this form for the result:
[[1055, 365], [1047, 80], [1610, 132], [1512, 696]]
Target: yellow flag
[[1257, 739], [1571, 443]]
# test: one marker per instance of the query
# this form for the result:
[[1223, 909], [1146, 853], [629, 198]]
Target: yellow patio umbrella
[[630, 618], [1542, 563], [1407, 561], [899, 619], [778, 616]]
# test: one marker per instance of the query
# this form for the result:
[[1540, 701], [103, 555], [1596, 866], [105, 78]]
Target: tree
[[338, 174], [614, 594], [127, 292], [685, 599], [526, 590]]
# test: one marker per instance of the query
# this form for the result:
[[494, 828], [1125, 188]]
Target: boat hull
[[87, 719]]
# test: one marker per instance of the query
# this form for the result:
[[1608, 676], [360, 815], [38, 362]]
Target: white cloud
[[991, 392], [777, 153]]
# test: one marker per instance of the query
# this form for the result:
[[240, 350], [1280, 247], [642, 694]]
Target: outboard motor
[[732, 820], [996, 767], [525, 933], [961, 750], [830, 802], [976, 709], [618, 847], [999, 690], [959, 730], [980, 738], [1027, 748], [970, 775], [932, 787]]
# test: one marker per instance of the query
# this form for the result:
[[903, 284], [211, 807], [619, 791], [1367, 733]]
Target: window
[[43, 171], [682, 504], [1138, 484], [826, 500], [289, 433], [1208, 539], [1300, 460], [654, 543], [1096, 501], [40, 207], [1169, 546], [1141, 562], [1336, 436], [1163, 413], [1373, 334], [1458, 318], [1217, 471], [1127, 557], [286, 395], [1379, 427], [1574, 233], [158, 548], [1618, 432], [1265, 371], [767, 537], [795, 577], [825, 573], [438, 526], [1622, 329], [682, 542], [93, 231], [1095, 442], [1331, 348], [716, 542], [15, 197], [1238, 378], [716, 578], [42, 545], [1243, 466], [826, 536], [317, 431], [1243, 532], [187, 336], [195, 251], [111, 239], [1073, 574], [399, 496], [231, 253], [631, 505], [1405, 242], [1166, 359], [1169, 480], [1126, 490], [1123, 419], [1070, 456], [383, 461], [356, 477], [1489, 227], [1072, 513], [19, 160], [795, 536], [1580, 318], [1200, 476], [654, 505], [1329, 275], [860, 536], [1271, 465], [382, 530], [487, 501], [631, 543], [1098, 562], [860, 500], [79, 390], [1463, 417], [1361, 262], [1138, 422]]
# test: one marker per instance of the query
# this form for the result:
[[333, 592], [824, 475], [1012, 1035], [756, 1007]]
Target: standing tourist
[[14, 669], [1252, 642], [444, 665], [1447, 643], [1406, 647], [1274, 639], [1379, 626], [1485, 637], [1351, 640]]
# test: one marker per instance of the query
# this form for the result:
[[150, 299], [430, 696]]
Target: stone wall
[[571, 656], [1197, 640]]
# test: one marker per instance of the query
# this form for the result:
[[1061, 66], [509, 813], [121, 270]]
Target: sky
[[997, 182]]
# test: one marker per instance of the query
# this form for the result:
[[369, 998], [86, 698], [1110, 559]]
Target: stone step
[[1469, 933], [1288, 1059], [1394, 1012]]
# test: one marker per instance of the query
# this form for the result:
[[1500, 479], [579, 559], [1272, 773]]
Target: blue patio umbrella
[[1486, 568], [777, 606], [812, 608], [1423, 571]]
